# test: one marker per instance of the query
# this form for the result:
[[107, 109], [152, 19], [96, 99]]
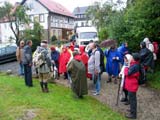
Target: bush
[[103, 35]]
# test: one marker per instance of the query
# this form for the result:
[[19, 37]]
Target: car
[[7, 53]]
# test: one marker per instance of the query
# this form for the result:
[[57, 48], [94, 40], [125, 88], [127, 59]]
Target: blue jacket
[[122, 50], [112, 65], [55, 56]]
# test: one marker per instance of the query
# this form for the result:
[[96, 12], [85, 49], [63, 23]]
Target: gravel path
[[148, 99]]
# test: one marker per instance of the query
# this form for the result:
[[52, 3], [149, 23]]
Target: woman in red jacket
[[131, 84]]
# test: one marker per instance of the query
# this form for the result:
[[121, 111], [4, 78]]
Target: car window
[[88, 35], [2, 51], [10, 49]]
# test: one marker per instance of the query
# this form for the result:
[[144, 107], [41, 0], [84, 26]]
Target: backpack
[[44, 58], [102, 66], [142, 77], [156, 47]]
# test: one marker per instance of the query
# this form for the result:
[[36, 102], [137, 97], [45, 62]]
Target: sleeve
[[97, 60], [70, 66], [28, 55], [151, 47], [18, 54]]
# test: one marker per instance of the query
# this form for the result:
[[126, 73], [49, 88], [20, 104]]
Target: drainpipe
[[49, 27]]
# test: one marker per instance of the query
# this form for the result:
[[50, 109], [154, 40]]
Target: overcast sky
[[69, 4]]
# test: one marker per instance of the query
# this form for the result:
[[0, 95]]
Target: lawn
[[16, 100]]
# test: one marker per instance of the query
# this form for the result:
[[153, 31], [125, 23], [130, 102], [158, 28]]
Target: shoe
[[95, 93], [126, 103], [131, 116], [124, 100], [128, 110], [115, 81]]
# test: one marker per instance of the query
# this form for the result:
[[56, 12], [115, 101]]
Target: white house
[[81, 19], [55, 19]]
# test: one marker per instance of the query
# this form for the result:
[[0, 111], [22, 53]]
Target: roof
[[54, 7], [80, 10]]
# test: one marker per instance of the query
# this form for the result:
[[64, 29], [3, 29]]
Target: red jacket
[[131, 76], [64, 58]]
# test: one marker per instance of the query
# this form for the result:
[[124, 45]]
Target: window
[[82, 24], [31, 17], [88, 35], [41, 18]]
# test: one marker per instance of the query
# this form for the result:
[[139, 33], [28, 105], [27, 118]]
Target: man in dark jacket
[[27, 62], [146, 56], [55, 58]]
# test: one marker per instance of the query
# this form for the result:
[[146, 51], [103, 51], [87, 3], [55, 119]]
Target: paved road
[[148, 100]]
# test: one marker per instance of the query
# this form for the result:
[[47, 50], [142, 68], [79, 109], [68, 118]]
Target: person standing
[[55, 59], [27, 62], [19, 53], [77, 72], [131, 84], [45, 66], [94, 67], [112, 66], [146, 57]]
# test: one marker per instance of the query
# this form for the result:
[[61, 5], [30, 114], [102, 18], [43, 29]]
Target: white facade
[[52, 23], [38, 13], [6, 34], [83, 23]]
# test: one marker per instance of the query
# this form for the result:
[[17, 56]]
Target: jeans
[[28, 75], [21, 69], [98, 82]]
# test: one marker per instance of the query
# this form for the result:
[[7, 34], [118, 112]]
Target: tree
[[16, 16], [35, 34]]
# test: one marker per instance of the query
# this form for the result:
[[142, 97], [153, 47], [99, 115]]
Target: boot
[[42, 87], [46, 87], [109, 79], [115, 81], [131, 116]]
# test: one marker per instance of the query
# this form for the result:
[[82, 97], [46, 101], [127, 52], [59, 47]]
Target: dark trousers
[[133, 103], [28, 75]]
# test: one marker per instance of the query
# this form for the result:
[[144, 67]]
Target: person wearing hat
[[55, 59], [132, 74], [112, 66], [45, 66], [77, 72]]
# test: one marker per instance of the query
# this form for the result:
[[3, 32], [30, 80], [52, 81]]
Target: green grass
[[59, 104], [154, 80]]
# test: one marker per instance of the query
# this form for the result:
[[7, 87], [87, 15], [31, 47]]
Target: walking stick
[[118, 93]]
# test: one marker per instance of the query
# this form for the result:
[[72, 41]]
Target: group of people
[[77, 65]]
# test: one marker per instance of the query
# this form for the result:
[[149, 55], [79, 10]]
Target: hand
[[114, 58], [30, 65], [96, 72]]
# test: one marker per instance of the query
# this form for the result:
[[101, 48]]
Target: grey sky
[[69, 4]]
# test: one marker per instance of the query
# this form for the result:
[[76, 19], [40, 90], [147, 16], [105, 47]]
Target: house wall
[[37, 10], [6, 34]]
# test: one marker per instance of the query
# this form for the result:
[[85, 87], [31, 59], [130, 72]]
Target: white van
[[85, 34]]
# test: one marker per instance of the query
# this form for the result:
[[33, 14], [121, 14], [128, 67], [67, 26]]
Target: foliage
[[103, 34], [54, 38], [140, 19], [35, 34], [98, 14], [154, 78], [16, 16], [16, 99]]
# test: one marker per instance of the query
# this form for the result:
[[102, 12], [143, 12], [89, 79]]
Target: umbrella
[[107, 43]]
